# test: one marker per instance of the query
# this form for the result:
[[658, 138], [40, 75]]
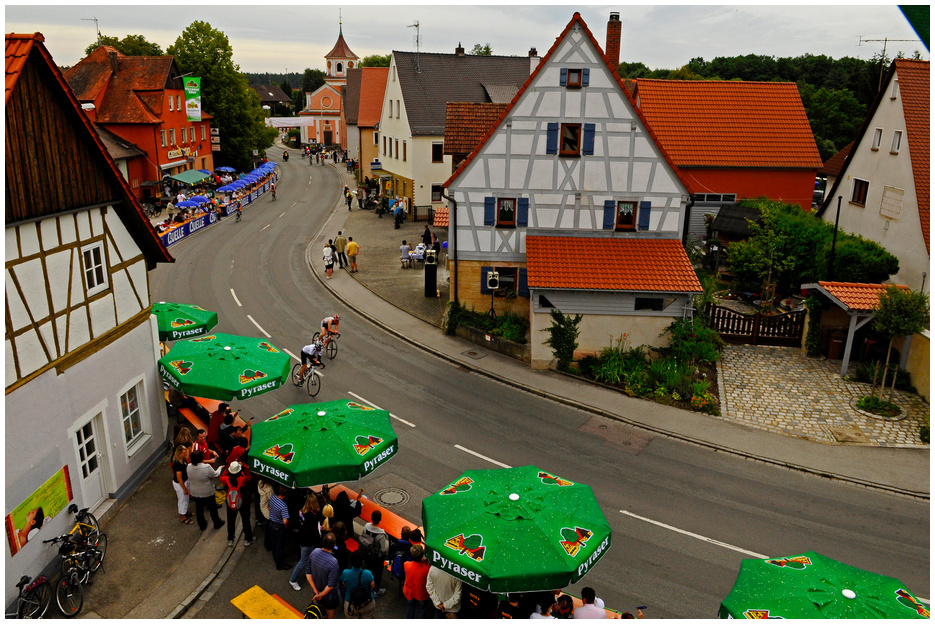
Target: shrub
[[878, 407], [563, 338], [587, 365], [508, 325], [864, 374], [666, 374], [924, 432], [692, 343], [815, 306]]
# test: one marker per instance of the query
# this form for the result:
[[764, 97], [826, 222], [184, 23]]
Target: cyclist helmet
[[337, 318]]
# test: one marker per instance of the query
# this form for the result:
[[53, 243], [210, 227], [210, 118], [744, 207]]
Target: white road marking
[[258, 326], [234, 295], [484, 457], [696, 536], [292, 354], [282, 215], [373, 405], [264, 227]]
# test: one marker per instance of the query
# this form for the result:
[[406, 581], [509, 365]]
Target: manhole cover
[[474, 354], [626, 438], [389, 497], [849, 434]]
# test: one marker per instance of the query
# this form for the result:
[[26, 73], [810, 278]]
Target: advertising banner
[[189, 227], [192, 86], [24, 522]]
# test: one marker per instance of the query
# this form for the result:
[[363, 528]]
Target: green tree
[[206, 52], [684, 73], [901, 312], [563, 338], [835, 115], [632, 70], [767, 255], [131, 45], [376, 60], [481, 50]]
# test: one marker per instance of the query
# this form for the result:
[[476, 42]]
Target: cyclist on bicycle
[[329, 328], [311, 354], [239, 213], [273, 188]]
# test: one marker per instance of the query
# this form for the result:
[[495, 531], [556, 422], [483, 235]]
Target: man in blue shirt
[[278, 521], [322, 574], [352, 577]]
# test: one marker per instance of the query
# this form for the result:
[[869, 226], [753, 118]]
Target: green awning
[[192, 176]]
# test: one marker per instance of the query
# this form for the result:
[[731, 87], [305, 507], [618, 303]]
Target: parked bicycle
[[152, 210], [311, 379], [33, 600], [329, 343], [81, 557], [86, 525]]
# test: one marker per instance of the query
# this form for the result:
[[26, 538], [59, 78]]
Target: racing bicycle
[[33, 600], [330, 343], [312, 378]]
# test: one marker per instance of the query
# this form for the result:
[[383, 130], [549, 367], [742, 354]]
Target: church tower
[[339, 60]]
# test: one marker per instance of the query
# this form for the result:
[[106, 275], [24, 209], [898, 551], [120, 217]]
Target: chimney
[[612, 51], [459, 51], [113, 61], [533, 60]]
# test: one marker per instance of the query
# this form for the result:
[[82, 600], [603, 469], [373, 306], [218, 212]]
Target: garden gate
[[780, 330]]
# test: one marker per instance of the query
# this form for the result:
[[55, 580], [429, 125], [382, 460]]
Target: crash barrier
[[197, 223], [258, 604]]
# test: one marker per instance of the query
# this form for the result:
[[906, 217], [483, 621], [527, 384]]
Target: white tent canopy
[[289, 122]]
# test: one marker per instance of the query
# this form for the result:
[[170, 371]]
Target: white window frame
[[104, 284], [854, 182], [178, 102], [143, 436], [203, 134], [184, 135], [376, 139], [172, 136], [162, 136], [171, 104], [897, 141], [397, 109], [191, 134], [877, 139], [895, 92]]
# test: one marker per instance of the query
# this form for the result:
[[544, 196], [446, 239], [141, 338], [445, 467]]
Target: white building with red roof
[[575, 205], [883, 187]]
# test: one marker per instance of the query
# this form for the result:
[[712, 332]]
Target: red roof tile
[[914, 90], [18, 48], [835, 164], [441, 217], [856, 296], [467, 123], [372, 88], [717, 123], [657, 265]]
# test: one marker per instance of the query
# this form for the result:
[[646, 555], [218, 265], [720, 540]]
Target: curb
[[186, 604], [600, 412]]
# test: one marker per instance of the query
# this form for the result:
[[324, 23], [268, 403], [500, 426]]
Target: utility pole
[[885, 40], [96, 27]]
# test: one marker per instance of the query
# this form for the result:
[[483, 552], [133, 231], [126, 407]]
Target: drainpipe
[[452, 242], [688, 218]]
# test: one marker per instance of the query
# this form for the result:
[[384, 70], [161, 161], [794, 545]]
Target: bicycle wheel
[[316, 336], [69, 596], [313, 384], [99, 548], [89, 519], [296, 379], [332, 348], [35, 603]]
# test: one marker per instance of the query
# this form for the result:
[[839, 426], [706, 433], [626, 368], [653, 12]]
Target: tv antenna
[[885, 40], [96, 27], [416, 26]]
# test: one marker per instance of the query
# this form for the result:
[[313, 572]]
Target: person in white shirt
[[588, 610], [444, 591]]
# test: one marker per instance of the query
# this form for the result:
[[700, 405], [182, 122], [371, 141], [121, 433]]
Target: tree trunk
[[889, 348], [873, 386]]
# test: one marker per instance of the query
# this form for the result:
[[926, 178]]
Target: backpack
[[365, 544], [397, 568], [313, 612], [360, 595], [234, 497]]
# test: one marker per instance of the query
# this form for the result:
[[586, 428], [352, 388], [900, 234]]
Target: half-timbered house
[[84, 403]]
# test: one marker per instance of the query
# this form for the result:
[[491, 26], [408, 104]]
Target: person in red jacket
[[235, 480], [417, 596]]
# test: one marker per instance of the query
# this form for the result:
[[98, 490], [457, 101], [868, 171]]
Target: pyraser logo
[[283, 453], [760, 614], [550, 479], [181, 366], [905, 598], [282, 414], [574, 539], [472, 546], [461, 485], [182, 322], [268, 347], [793, 563], [251, 375], [365, 408], [365, 444], [205, 339]]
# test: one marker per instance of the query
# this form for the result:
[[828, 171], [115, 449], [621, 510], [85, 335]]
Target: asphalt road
[[683, 517]]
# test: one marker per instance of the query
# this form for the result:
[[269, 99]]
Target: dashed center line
[[234, 295], [375, 406], [696, 536], [258, 326], [292, 355], [264, 227], [484, 457]]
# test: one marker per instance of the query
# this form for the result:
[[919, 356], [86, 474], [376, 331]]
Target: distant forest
[[836, 93]]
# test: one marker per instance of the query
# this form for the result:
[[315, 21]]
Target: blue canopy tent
[[187, 204], [225, 169], [199, 199]]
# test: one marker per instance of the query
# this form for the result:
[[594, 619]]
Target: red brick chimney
[[612, 49]]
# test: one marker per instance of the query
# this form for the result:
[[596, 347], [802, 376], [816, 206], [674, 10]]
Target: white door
[[87, 443]]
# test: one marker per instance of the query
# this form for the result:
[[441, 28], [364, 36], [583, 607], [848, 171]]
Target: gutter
[[452, 241]]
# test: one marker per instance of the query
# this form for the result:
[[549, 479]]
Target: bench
[[390, 522], [577, 602], [256, 604]]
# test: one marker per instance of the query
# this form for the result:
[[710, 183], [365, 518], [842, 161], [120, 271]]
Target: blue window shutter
[[522, 287], [483, 280], [551, 142], [610, 214], [588, 146], [645, 209], [563, 81], [585, 76], [490, 211], [522, 212]]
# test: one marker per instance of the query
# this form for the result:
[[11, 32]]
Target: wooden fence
[[782, 330]]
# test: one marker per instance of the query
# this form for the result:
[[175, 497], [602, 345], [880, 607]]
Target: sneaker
[[249, 541], [230, 542], [295, 586], [379, 592]]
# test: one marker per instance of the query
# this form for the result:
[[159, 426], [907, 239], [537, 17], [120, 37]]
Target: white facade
[[889, 214]]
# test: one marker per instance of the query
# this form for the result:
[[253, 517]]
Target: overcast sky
[[283, 36]]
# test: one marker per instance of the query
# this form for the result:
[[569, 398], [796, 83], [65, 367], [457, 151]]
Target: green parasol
[[315, 443], [223, 367], [181, 320], [815, 586], [514, 529]]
